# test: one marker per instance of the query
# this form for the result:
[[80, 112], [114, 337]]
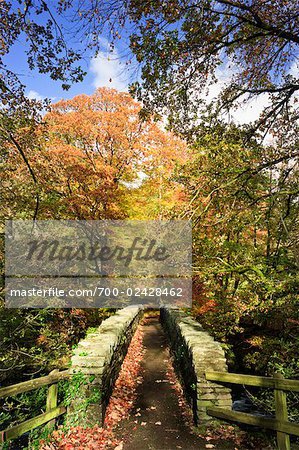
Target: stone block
[[101, 355], [196, 352]]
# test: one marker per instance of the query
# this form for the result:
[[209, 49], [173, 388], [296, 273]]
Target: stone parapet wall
[[96, 363], [196, 352]]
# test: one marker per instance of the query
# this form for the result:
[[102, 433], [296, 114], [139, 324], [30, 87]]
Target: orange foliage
[[201, 303], [88, 156], [96, 145]]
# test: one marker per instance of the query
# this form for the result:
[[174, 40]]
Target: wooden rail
[[52, 409], [280, 424]]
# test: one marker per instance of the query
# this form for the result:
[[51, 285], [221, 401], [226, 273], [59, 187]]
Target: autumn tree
[[159, 191], [21, 136], [98, 148], [85, 157], [241, 196], [90, 157]]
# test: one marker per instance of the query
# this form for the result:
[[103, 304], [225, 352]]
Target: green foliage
[[39, 434], [243, 203], [21, 407], [34, 343], [72, 387], [183, 47], [46, 48], [265, 398], [38, 341], [79, 392], [91, 330]]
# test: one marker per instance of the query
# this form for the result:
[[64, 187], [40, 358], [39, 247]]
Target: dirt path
[[157, 421]]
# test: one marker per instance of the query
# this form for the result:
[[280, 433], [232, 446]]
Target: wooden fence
[[52, 409], [281, 386], [280, 424]]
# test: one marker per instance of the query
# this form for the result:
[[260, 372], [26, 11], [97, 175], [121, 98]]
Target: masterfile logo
[[140, 250], [98, 259], [116, 247]]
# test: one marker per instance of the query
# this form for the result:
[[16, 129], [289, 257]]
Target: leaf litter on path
[[119, 407]]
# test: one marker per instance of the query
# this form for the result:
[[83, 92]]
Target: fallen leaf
[[119, 447]]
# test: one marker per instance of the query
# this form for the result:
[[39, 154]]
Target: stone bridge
[[98, 359]]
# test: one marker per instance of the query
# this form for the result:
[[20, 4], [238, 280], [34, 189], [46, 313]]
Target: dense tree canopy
[[180, 44]]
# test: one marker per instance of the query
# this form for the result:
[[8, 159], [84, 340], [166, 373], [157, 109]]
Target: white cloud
[[294, 69], [107, 68], [251, 110], [33, 95], [245, 113], [224, 74]]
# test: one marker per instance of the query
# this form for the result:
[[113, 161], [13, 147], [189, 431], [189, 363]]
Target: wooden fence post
[[52, 397], [281, 414]]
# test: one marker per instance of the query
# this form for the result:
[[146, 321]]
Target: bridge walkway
[[159, 420]]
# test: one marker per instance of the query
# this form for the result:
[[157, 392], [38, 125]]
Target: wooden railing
[[52, 409], [280, 424]]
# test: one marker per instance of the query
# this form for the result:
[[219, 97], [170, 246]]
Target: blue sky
[[100, 71], [105, 67]]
